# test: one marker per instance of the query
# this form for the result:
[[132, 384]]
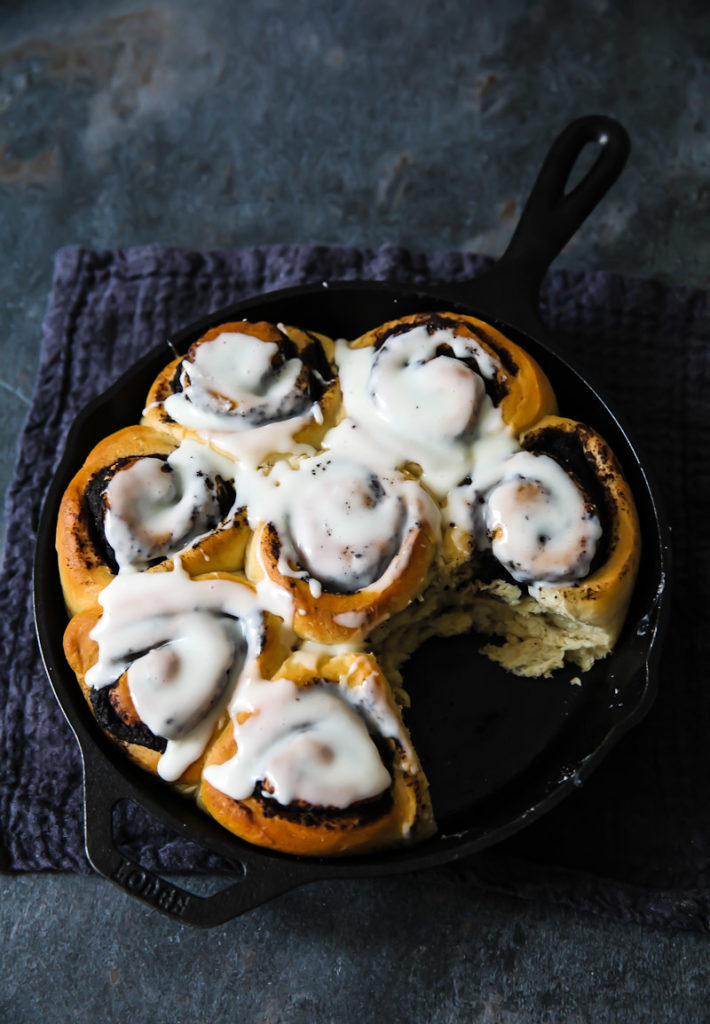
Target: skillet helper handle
[[258, 883], [551, 216]]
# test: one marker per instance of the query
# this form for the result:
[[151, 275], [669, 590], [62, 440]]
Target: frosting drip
[[427, 383], [538, 522], [183, 644], [346, 526], [308, 744], [419, 400], [154, 507], [235, 382]]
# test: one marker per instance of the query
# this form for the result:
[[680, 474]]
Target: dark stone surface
[[419, 123], [394, 950]]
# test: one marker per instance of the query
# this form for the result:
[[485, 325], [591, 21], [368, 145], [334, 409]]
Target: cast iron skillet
[[499, 751]]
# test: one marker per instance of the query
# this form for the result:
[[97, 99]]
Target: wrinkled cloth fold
[[634, 842]]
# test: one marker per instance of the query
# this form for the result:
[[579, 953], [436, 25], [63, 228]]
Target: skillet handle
[[260, 880], [549, 219]]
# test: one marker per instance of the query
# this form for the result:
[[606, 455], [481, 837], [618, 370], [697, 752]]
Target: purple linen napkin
[[635, 841]]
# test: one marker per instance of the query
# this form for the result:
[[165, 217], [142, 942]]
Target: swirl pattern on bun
[[537, 520], [600, 597], [160, 658], [252, 391], [318, 762], [440, 383], [350, 547], [140, 499]]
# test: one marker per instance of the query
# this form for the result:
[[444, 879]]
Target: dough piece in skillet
[[570, 561], [159, 659], [252, 391], [317, 762], [139, 499], [346, 547]]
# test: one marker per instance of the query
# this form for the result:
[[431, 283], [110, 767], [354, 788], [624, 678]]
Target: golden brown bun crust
[[82, 654], [404, 816], [304, 341], [340, 618], [602, 598], [83, 570], [527, 393]]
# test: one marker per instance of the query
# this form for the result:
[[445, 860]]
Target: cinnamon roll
[[442, 391], [159, 659], [253, 391], [600, 595], [558, 517], [318, 762], [343, 548], [139, 499]]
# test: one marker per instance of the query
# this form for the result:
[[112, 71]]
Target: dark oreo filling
[[567, 449], [366, 576], [495, 389], [361, 812], [95, 506], [109, 719], [138, 732], [316, 360], [313, 357]]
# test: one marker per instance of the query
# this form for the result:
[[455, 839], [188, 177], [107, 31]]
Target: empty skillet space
[[479, 729]]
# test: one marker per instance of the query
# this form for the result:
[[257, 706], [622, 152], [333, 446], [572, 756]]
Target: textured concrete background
[[386, 952], [421, 123]]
